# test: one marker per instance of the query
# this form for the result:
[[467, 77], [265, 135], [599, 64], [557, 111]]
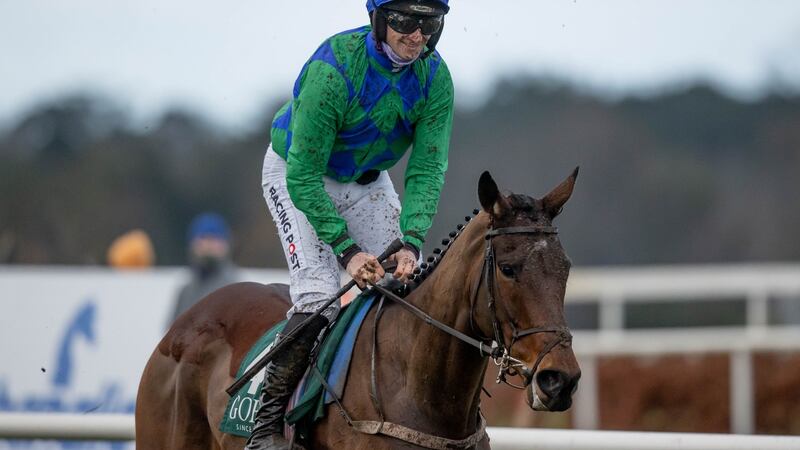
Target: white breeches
[[372, 213]]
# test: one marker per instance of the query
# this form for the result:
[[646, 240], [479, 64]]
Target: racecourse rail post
[[393, 248]]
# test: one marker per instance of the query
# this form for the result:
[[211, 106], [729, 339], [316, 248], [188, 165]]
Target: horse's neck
[[440, 368], [445, 295]]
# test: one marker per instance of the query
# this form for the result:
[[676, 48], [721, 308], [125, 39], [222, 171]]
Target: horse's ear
[[490, 197], [554, 201]]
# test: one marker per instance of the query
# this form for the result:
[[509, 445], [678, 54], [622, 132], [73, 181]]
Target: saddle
[[330, 367]]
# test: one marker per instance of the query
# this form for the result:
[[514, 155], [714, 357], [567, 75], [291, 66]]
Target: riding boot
[[281, 376]]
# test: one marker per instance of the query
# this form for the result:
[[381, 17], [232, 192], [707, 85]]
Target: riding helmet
[[418, 7]]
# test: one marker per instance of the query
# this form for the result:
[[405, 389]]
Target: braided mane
[[432, 261]]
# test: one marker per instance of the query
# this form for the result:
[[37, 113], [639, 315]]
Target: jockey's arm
[[427, 164], [318, 111]]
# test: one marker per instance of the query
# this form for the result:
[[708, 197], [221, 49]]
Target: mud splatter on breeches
[[372, 213]]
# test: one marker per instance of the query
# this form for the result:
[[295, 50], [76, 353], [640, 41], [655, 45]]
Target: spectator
[[132, 250], [209, 260]]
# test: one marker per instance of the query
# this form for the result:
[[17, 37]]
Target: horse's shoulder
[[238, 313]]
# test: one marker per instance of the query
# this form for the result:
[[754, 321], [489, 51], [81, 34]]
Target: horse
[[500, 284]]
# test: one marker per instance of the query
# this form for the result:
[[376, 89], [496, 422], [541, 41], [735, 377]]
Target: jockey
[[362, 99]]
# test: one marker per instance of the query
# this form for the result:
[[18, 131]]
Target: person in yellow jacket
[[131, 250]]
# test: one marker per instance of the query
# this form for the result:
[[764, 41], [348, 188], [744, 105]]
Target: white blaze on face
[[538, 246]]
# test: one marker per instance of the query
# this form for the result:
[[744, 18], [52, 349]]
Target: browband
[[521, 230]]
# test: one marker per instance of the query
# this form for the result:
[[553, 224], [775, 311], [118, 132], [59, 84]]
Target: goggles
[[408, 23]]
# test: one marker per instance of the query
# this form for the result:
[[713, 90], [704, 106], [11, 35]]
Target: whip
[[393, 248]]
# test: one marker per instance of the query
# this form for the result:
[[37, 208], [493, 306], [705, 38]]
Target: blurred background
[[683, 116]]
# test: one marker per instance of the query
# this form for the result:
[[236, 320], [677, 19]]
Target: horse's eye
[[507, 270]]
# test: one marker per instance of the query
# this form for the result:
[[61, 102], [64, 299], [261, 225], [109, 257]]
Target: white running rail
[[612, 288], [547, 439], [120, 427], [97, 427]]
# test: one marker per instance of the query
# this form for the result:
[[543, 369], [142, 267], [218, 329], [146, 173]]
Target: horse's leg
[[168, 409], [174, 406], [152, 404], [217, 399]]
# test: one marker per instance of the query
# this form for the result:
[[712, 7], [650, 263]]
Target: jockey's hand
[[406, 262], [364, 267]]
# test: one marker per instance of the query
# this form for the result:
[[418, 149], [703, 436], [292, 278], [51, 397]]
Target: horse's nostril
[[551, 382]]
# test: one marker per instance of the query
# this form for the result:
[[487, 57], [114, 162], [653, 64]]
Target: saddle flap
[[333, 359]]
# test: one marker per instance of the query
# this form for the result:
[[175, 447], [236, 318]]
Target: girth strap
[[419, 438]]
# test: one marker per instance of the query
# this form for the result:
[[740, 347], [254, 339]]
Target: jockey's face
[[407, 46]]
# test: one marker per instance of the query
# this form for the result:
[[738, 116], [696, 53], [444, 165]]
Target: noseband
[[501, 353]]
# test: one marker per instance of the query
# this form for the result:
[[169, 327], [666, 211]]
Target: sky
[[231, 60]]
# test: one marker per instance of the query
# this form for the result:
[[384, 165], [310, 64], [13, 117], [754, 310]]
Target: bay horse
[[503, 279]]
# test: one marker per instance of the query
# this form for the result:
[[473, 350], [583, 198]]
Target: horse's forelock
[[525, 207]]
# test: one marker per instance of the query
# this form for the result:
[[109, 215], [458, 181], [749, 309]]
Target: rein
[[500, 353], [395, 430]]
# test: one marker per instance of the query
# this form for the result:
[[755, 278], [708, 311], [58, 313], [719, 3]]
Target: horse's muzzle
[[552, 390]]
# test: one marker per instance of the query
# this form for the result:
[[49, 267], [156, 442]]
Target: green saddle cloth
[[242, 407]]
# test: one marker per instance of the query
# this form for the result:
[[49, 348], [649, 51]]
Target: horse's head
[[524, 277]]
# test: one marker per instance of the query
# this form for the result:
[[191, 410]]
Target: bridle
[[501, 353]]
